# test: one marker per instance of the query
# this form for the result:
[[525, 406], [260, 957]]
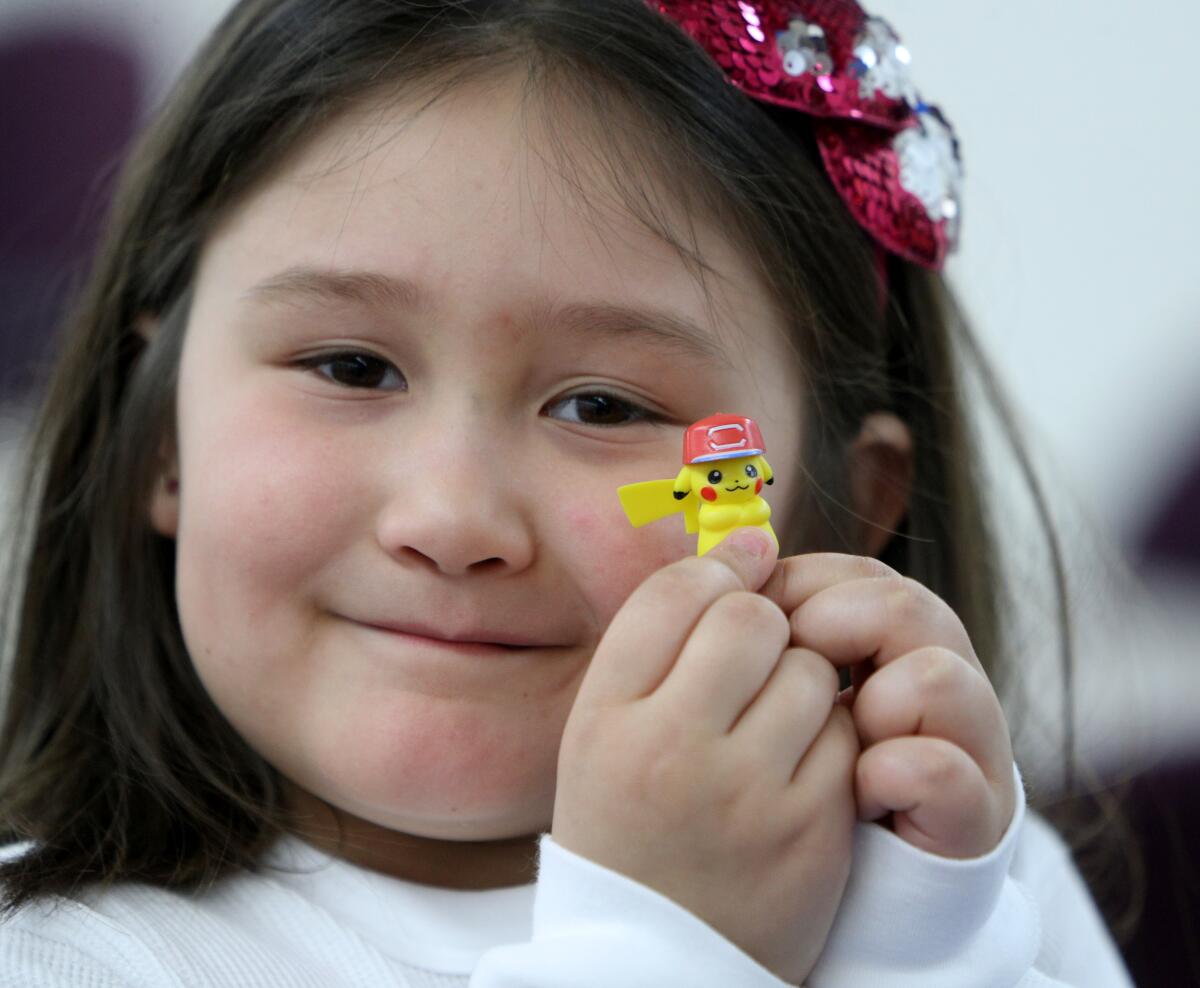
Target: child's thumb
[[749, 552]]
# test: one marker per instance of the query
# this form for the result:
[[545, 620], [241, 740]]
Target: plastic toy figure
[[718, 488]]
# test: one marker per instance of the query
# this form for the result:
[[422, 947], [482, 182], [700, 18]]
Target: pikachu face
[[728, 481]]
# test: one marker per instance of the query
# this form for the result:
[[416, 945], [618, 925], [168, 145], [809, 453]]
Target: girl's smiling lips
[[471, 639]]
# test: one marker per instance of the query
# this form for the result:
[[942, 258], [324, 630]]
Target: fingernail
[[750, 540]]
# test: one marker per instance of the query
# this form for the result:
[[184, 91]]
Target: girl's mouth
[[479, 648], [475, 641]]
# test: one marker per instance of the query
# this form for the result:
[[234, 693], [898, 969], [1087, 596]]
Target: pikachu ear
[[683, 483], [768, 473]]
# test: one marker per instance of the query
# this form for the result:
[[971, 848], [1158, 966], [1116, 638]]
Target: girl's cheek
[[267, 486], [611, 558], [262, 506]]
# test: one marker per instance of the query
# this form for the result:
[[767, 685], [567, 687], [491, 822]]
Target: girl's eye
[[357, 370], [601, 409]]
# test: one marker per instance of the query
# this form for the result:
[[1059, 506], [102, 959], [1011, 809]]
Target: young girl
[[333, 660]]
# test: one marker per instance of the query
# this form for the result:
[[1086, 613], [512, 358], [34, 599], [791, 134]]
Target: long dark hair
[[113, 759]]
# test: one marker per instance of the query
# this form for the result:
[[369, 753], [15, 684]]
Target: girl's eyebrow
[[670, 331], [321, 285]]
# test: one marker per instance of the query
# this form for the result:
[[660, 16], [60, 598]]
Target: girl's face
[[415, 375]]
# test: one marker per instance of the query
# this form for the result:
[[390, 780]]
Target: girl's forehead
[[478, 192]]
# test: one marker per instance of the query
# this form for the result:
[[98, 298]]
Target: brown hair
[[112, 756]]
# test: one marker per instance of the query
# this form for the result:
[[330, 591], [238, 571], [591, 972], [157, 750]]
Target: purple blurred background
[[72, 101]]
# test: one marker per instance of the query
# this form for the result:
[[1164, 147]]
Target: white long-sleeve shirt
[[1019, 917]]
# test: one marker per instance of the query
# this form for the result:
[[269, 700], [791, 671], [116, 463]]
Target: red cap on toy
[[721, 437]]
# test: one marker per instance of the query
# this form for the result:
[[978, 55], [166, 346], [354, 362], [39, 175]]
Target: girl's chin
[[498, 808]]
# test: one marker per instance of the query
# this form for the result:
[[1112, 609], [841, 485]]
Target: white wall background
[[1080, 259], [1081, 137]]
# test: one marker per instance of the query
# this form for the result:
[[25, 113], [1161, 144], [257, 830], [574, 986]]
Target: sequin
[[804, 49], [733, 28], [881, 63], [930, 168]]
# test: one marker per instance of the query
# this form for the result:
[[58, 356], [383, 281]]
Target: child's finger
[[792, 708], [879, 619], [648, 632], [933, 692], [797, 578], [733, 650], [940, 800], [828, 762]]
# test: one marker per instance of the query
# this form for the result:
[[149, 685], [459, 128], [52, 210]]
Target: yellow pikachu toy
[[724, 468]]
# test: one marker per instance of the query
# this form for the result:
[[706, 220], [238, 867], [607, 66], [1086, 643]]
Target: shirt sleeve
[[912, 919], [596, 928], [1017, 917]]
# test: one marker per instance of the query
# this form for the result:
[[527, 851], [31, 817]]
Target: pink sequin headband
[[892, 157]]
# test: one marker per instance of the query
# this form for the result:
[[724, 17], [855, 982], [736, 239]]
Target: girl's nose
[[460, 514]]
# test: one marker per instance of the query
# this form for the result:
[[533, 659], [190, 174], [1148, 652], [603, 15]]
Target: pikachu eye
[[751, 471], [714, 477]]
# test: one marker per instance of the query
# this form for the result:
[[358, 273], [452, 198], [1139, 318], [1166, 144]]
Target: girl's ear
[[146, 326], [881, 474], [164, 499]]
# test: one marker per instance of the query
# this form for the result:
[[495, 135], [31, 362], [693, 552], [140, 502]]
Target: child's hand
[[706, 759], [936, 750]]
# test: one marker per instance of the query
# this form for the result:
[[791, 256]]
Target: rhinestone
[[794, 63]]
